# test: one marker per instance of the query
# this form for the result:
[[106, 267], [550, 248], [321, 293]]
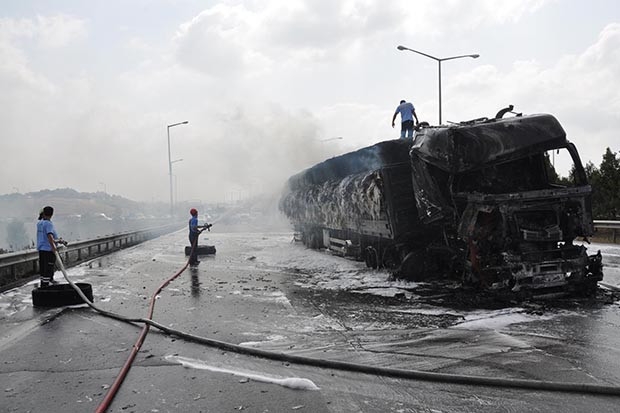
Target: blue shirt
[[45, 227], [193, 225], [406, 111]]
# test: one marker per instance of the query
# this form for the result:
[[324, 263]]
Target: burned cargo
[[473, 200]]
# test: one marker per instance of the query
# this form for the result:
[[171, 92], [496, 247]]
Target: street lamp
[[176, 187], [170, 160], [439, 60]]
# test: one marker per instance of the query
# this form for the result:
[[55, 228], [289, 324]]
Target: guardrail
[[17, 267], [613, 225]]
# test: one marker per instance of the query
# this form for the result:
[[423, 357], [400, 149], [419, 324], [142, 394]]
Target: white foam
[[483, 320], [290, 382]]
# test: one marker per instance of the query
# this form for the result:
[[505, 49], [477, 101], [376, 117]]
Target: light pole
[[170, 160], [439, 60], [176, 188]]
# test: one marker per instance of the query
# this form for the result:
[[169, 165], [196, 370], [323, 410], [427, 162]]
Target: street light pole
[[170, 161], [439, 60]]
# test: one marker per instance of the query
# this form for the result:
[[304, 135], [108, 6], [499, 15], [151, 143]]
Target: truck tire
[[60, 295], [413, 266], [390, 259], [371, 257]]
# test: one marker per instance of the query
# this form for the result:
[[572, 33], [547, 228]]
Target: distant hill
[[69, 202], [77, 215], [87, 215]]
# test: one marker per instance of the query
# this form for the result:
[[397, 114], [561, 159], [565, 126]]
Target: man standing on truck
[[407, 113]]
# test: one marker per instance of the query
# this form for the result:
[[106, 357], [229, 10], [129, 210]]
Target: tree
[[552, 175], [605, 182]]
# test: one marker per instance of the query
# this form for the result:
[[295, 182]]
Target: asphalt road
[[262, 291]]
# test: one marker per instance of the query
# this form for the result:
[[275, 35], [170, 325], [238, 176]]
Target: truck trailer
[[474, 200]]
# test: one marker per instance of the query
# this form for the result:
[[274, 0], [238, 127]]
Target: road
[[263, 291]]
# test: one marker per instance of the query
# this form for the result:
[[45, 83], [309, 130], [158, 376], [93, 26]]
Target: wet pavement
[[263, 291]]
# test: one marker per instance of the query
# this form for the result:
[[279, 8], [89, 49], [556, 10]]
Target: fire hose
[[316, 362]]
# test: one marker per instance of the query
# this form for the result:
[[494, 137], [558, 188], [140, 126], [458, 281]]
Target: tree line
[[605, 183]]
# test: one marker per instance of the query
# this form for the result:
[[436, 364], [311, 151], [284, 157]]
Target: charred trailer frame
[[472, 200]]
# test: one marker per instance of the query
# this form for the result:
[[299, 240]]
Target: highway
[[265, 292]]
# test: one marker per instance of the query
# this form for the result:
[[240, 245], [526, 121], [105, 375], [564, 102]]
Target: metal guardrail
[[17, 267], [606, 224], [613, 225]]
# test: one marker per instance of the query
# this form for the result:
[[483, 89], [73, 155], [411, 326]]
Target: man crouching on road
[[46, 245]]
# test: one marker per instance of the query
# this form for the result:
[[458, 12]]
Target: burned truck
[[475, 200]]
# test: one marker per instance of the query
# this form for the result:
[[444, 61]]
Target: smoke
[[338, 192], [16, 235], [250, 151]]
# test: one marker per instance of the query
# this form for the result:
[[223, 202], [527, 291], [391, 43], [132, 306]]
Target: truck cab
[[487, 184]]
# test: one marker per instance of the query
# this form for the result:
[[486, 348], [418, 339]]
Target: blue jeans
[[406, 128]]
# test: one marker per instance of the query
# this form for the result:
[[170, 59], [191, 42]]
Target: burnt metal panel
[[366, 159], [464, 147]]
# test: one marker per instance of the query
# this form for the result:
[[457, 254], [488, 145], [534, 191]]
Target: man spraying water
[[194, 232], [46, 245]]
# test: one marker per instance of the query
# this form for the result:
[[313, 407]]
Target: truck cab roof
[[476, 144]]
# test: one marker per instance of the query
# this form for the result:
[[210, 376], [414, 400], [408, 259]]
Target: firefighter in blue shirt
[[194, 232], [47, 238]]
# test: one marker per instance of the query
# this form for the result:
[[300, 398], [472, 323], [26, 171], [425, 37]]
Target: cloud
[[247, 40], [216, 41], [18, 39], [582, 91], [253, 147], [59, 30], [232, 40], [463, 16], [327, 25], [54, 31]]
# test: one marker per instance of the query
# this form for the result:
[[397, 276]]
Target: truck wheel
[[413, 266], [371, 257], [390, 258]]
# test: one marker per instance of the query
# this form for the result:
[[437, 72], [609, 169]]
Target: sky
[[271, 87]]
